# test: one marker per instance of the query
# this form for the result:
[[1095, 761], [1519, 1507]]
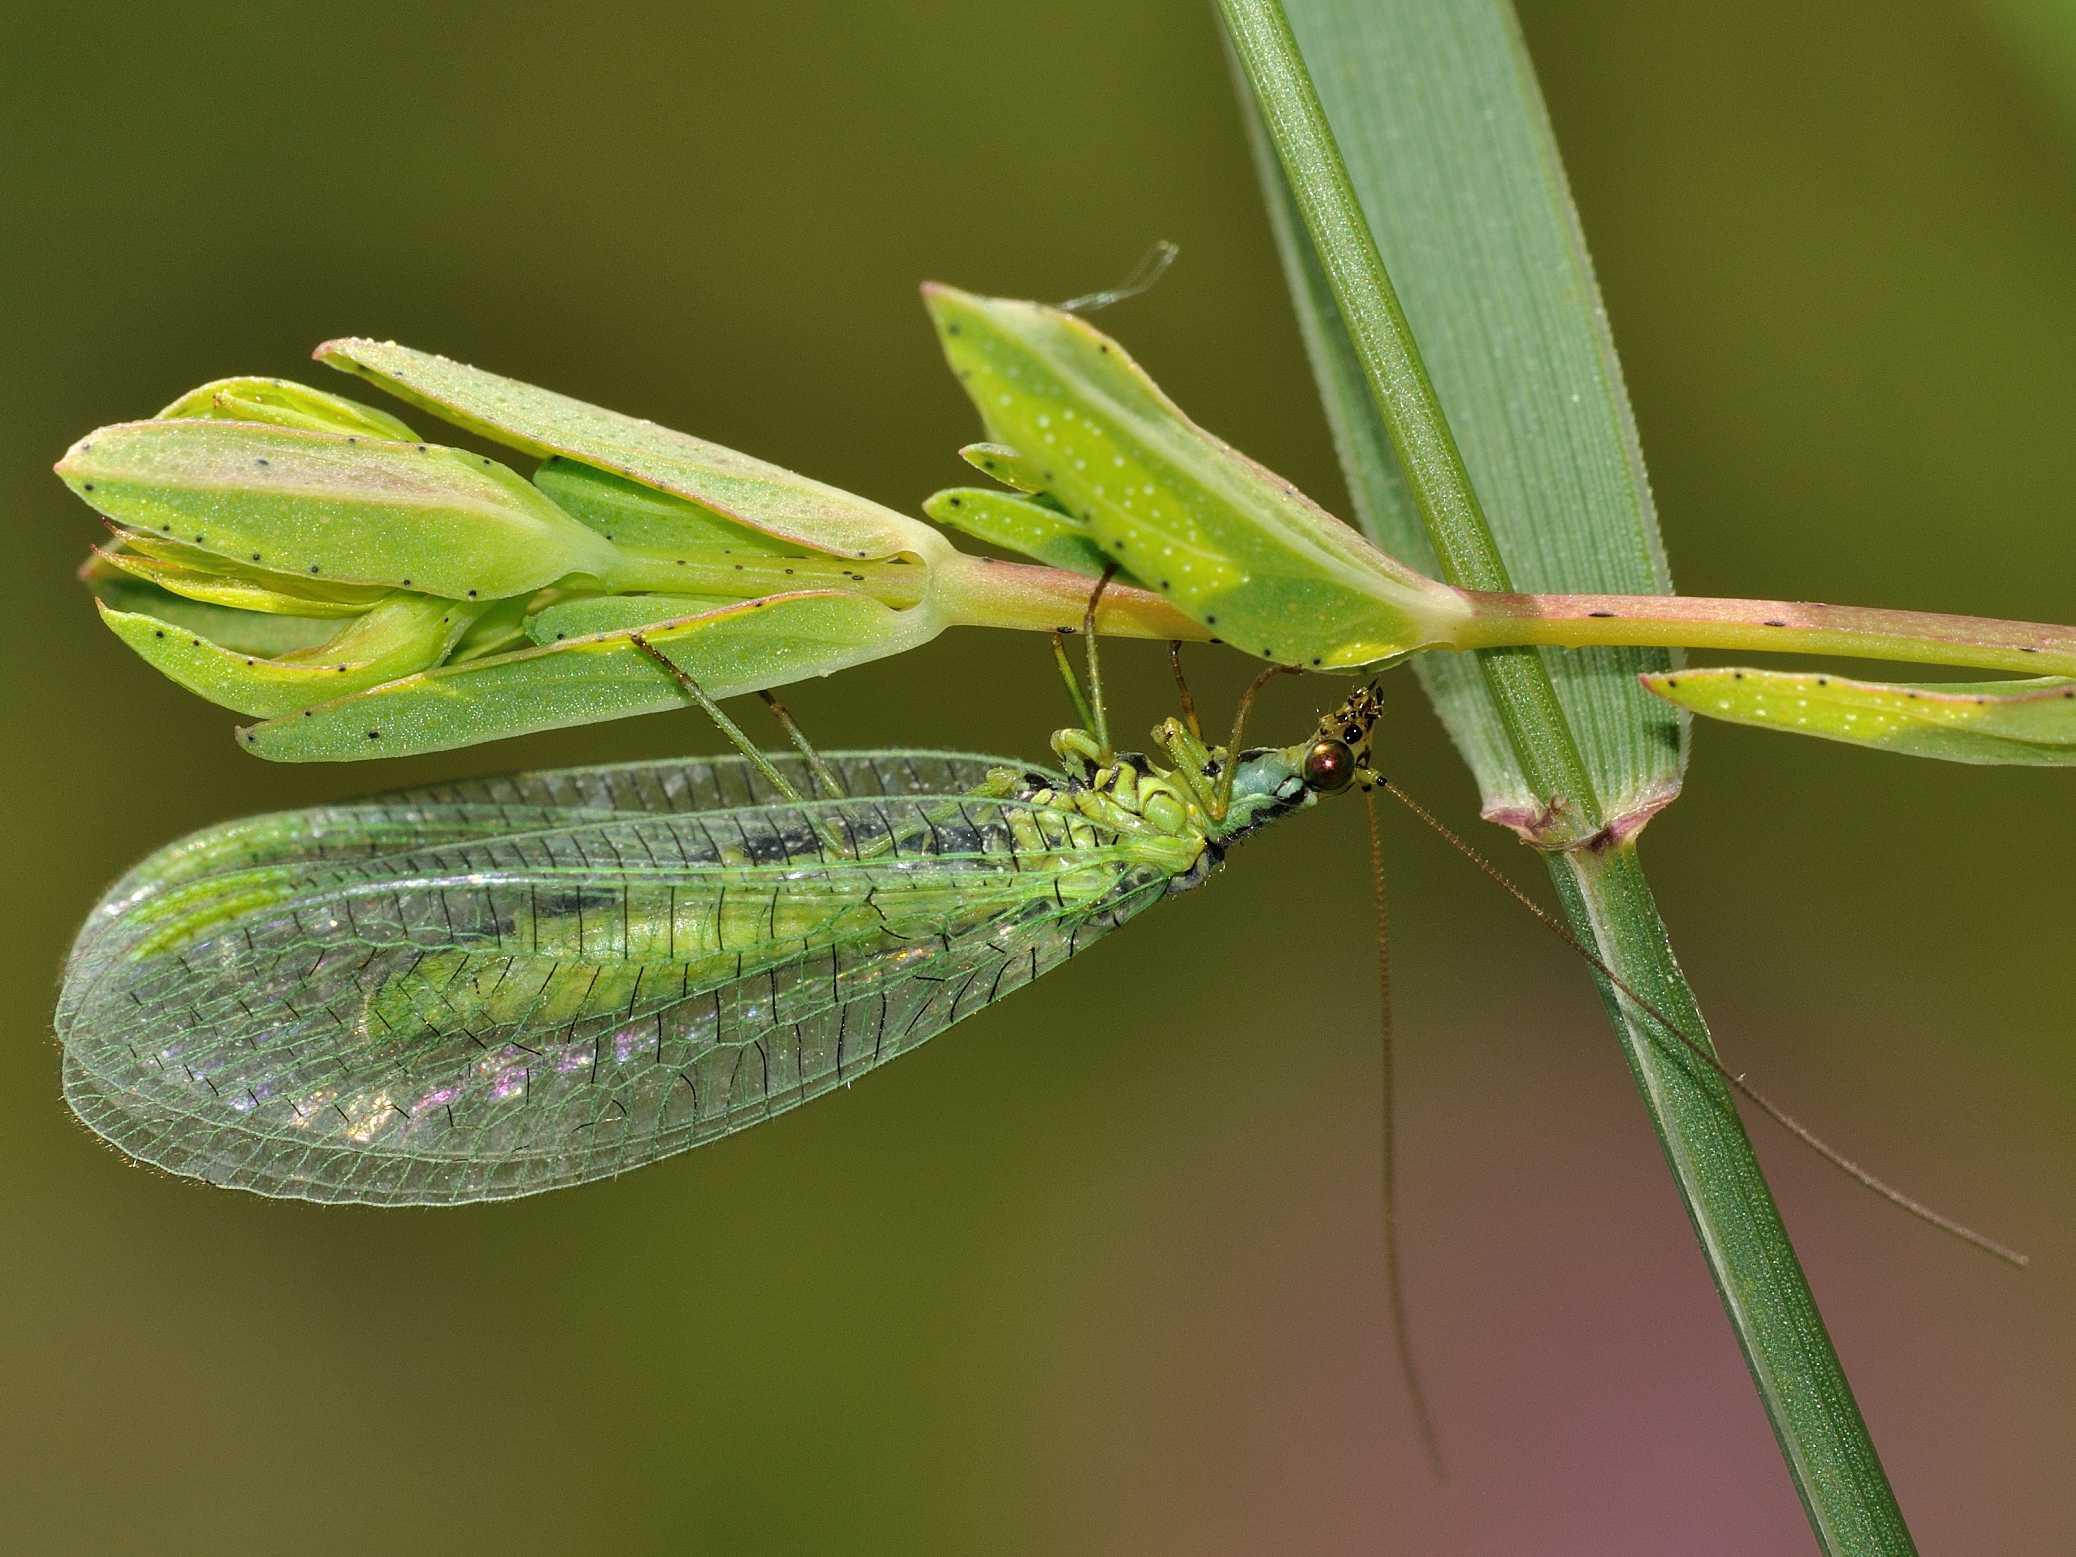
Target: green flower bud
[[1106, 469], [304, 559], [333, 506]]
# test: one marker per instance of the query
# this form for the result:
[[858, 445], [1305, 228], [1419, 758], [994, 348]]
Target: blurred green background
[[1099, 1271]]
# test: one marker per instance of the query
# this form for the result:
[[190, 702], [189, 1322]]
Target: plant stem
[[1770, 626], [1605, 898], [969, 591], [987, 592]]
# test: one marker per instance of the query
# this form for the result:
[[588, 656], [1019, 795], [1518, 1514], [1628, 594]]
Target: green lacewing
[[492, 988]]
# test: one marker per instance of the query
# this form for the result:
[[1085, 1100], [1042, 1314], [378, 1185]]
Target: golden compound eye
[[1328, 766]]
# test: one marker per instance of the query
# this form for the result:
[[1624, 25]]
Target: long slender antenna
[[824, 774], [728, 727], [1772, 1110], [1153, 264], [1394, 1282]]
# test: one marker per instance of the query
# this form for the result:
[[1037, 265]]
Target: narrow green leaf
[[2030, 723], [541, 422], [730, 650]]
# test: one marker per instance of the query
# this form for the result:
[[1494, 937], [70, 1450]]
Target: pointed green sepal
[[2029, 723], [1004, 464], [241, 632], [406, 633], [198, 575], [1019, 524], [279, 402]]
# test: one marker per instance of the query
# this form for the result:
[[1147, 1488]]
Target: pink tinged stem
[[982, 592], [1775, 626]]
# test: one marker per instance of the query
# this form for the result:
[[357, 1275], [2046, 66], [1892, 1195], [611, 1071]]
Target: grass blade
[[1452, 156], [1472, 215]]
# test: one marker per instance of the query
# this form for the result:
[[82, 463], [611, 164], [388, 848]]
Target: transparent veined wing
[[511, 802], [498, 987]]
